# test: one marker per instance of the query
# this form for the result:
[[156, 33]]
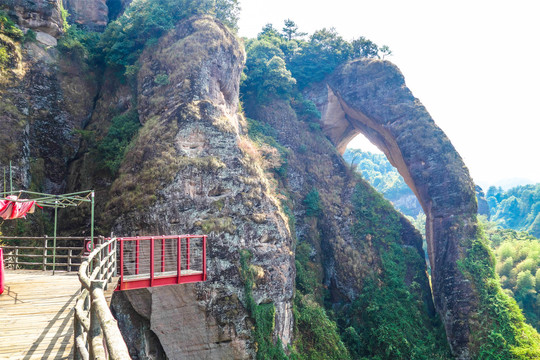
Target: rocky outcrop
[[89, 14], [483, 206], [38, 15], [46, 98], [191, 171], [370, 97]]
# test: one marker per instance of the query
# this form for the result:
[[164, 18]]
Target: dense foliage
[[114, 145], [144, 22], [517, 208], [280, 62], [389, 319], [518, 266], [501, 332]]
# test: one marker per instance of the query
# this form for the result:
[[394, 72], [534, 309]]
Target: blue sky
[[475, 65]]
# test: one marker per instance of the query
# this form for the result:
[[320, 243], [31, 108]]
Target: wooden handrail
[[39, 256], [93, 320]]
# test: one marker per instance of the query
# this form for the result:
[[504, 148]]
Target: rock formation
[[192, 168], [45, 101], [192, 172], [483, 206], [370, 97], [89, 14], [38, 15]]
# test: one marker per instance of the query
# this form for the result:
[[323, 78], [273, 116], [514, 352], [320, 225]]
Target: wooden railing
[[93, 321], [39, 253]]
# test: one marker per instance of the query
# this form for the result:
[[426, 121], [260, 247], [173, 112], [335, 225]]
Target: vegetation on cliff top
[[280, 62]]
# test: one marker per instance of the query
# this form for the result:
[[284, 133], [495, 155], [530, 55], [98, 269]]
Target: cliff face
[[192, 172], [39, 15], [257, 188], [46, 99], [369, 97], [90, 14]]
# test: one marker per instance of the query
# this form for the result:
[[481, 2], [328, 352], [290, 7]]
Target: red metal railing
[[148, 261]]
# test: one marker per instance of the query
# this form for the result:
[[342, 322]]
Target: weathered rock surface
[[347, 259], [90, 14], [39, 15], [45, 99], [370, 97], [191, 172]]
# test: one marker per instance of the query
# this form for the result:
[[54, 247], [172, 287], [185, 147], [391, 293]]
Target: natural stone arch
[[370, 97]]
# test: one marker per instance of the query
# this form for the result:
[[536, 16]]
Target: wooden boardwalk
[[36, 315]]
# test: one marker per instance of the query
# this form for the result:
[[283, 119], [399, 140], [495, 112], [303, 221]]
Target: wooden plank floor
[[36, 315]]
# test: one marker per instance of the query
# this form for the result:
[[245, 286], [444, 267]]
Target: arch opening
[[342, 124]]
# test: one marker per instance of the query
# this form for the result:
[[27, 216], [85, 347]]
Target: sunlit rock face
[[90, 14], [370, 97], [189, 172], [38, 15]]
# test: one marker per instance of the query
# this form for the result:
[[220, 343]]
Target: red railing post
[[163, 254], [152, 261], [179, 260], [187, 253], [121, 264], [137, 244], [204, 257]]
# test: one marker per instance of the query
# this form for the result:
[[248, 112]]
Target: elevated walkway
[[67, 316], [36, 315]]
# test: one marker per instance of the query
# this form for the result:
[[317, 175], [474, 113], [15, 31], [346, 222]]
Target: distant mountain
[[505, 184]]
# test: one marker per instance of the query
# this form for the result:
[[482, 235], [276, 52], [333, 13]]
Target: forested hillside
[[518, 265], [517, 208]]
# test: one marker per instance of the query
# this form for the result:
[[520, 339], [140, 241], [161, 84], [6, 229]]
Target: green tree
[[385, 51], [278, 80], [363, 47], [290, 30], [324, 51]]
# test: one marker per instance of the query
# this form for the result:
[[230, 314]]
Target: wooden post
[[44, 260], [106, 267], [70, 254], [115, 248], [16, 259]]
